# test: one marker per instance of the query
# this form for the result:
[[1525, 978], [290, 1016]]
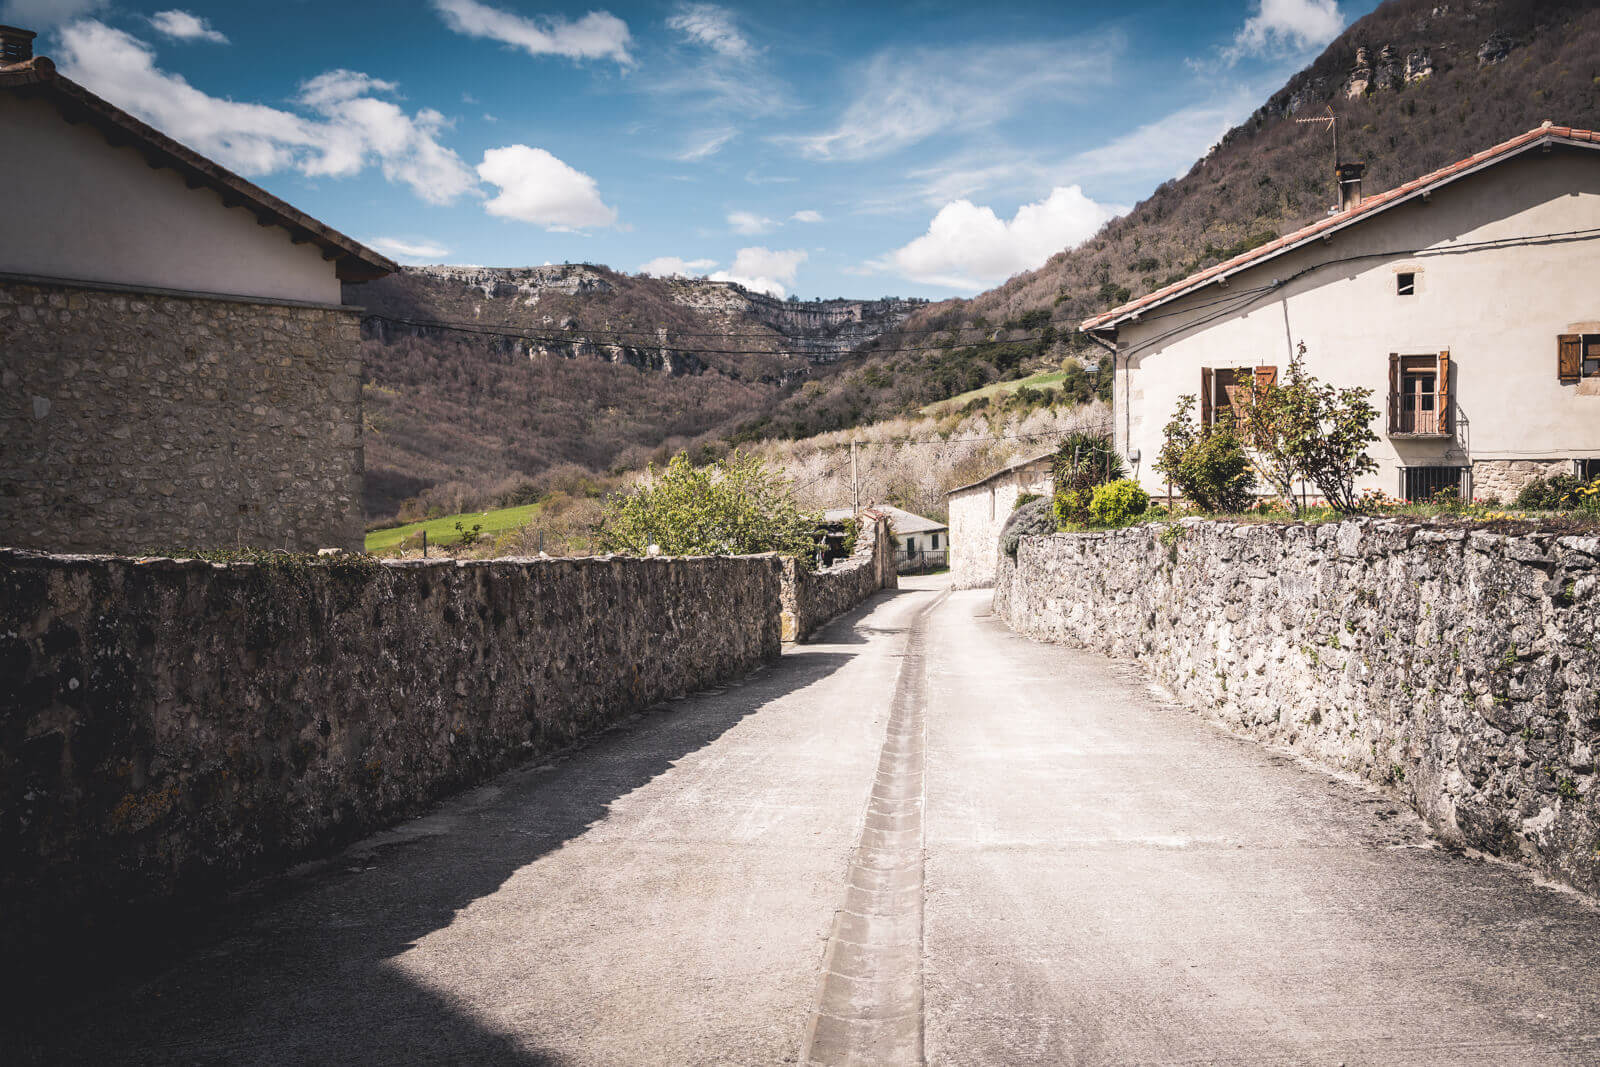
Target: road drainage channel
[[869, 1010]]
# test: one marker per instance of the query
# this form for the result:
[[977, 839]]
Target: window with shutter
[[1419, 395], [1591, 355], [1569, 357]]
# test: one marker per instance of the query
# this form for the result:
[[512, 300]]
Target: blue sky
[[824, 149]]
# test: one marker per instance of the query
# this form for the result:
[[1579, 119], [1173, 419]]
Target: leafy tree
[[1271, 420], [1210, 468], [1329, 443], [733, 507]]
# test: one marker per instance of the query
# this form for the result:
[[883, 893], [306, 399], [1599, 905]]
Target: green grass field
[[1043, 380], [443, 531]]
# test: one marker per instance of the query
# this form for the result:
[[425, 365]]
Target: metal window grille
[[1588, 469], [1421, 484]]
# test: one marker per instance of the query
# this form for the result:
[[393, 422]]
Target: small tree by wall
[[733, 507]]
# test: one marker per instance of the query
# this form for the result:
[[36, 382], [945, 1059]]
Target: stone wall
[[1505, 478], [168, 728], [810, 598], [136, 422], [1457, 667]]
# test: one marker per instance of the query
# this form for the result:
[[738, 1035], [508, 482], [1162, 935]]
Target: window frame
[[1463, 484]]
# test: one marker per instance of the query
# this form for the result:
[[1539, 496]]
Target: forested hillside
[[1439, 82], [480, 381]]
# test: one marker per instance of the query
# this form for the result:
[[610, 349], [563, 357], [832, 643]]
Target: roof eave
[[1110, 321]]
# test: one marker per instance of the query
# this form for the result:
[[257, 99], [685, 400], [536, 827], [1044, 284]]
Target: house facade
[[1466, 300], [179, 370], [979, 511]]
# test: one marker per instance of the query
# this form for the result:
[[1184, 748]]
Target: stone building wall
[[810, 598], [1505, 478], [136, 422], [168, 728], [977, 515], [1458, 667]]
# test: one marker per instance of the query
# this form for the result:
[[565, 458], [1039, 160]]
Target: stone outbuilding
[[1465, 300], [979, 511], [178, 369]]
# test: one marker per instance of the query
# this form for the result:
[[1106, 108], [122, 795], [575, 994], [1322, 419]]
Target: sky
[[824, 149]]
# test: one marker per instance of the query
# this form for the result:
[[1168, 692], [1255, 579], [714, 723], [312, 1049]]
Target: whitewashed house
[[1468, 300], [978, 512]]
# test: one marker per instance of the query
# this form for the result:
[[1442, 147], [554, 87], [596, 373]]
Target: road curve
[[918, 838]]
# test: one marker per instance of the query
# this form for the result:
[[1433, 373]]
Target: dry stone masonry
[[171, 727], [1458, 667], [136, 422], [811, 598]]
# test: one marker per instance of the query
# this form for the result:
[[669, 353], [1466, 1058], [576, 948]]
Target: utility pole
[[855, 483]]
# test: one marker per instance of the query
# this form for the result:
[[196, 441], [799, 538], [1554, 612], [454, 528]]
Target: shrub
[[1083, 461], [1031, 518], [1118, 502], [1211, 469], [734, 507], [1555, 493]]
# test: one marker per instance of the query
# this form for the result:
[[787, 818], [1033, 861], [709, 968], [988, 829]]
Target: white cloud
[[713, 27], [409, 251], [537, 187], [39, 14], [763, 270], [352, 128], [806, 216], [598, 35], [1286, 27], [907, 96], [182, 26], [706, 144], [970, 247], [749, 223], [675, 267]]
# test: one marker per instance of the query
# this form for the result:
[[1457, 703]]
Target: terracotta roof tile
[[1368, 206]]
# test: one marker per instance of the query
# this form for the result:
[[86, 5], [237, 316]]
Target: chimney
[[1350, 184], [16, 46]]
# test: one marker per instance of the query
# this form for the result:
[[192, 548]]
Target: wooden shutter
[[1205, 399], [1569, 357], [1444, 391], [1266, 376], [1394, 390]]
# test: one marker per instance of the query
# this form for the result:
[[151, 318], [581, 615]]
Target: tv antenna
[[1330, 123]]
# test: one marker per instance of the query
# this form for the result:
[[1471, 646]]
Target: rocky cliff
[[478, 376]]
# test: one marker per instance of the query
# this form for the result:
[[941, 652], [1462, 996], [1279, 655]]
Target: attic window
[[1406, 283]]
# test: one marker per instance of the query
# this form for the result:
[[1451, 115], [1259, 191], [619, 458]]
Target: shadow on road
[[302, 968]]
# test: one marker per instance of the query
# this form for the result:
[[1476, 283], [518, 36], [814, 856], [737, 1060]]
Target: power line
[[600, 340], [654, 340]]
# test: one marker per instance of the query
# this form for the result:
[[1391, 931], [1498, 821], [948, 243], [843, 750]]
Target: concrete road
[[918, 838]]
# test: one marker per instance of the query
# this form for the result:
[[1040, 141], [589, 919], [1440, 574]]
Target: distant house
[[178, 368], [978, 511], [1466, 300], [920, 544]]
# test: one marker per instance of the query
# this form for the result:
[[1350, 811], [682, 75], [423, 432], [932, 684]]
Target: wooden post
[[424, 543]]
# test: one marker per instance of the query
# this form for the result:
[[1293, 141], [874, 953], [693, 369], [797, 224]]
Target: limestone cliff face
[[579, 310]]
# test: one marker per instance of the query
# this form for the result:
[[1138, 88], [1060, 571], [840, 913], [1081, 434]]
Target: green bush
[[1555, 493], [1211, 470], [1083, 461], [1116, 503], [733, 507]]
